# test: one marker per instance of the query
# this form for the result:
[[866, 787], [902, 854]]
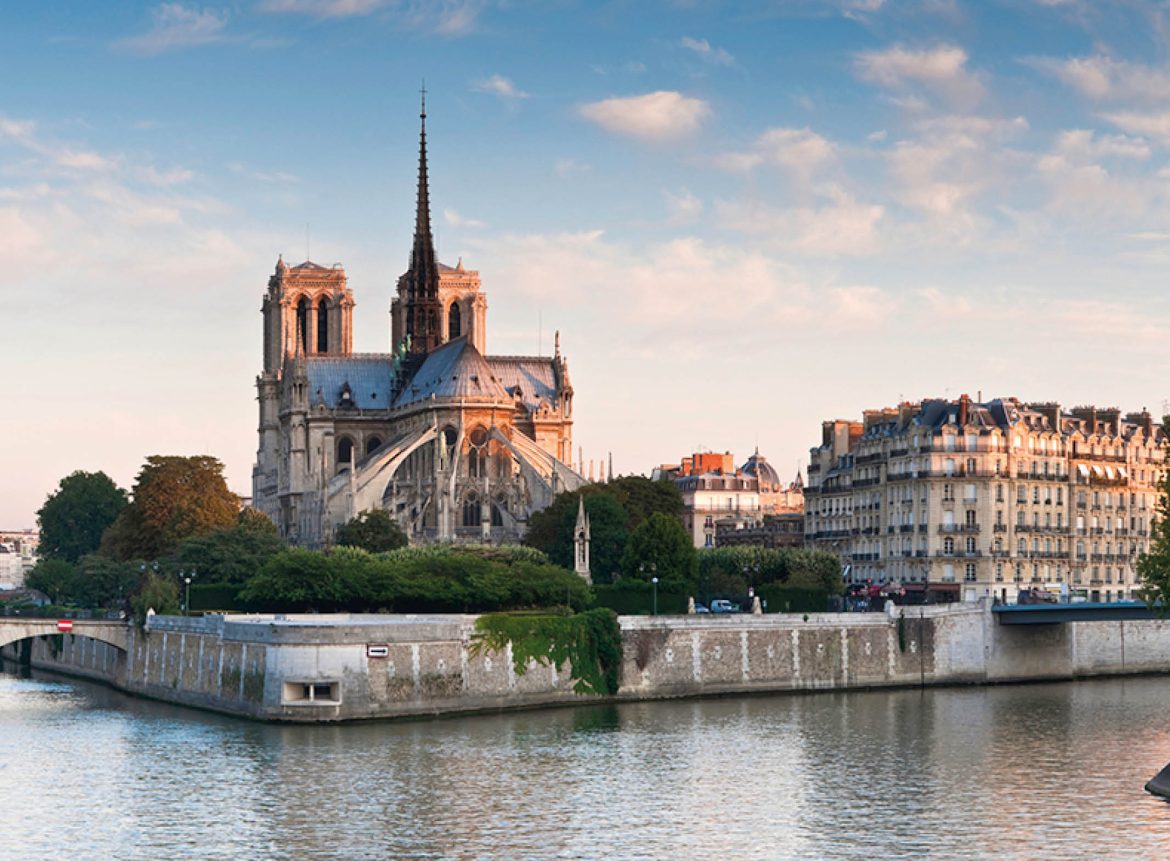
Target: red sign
[[64, 624]]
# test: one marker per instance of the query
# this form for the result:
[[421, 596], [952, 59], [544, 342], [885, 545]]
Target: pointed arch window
[[344, 453], [477, 456], [472, 515], [373, 444], [323, 326], [454, 322], [303, 324]]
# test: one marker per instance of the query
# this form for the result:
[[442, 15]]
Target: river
[[1030, 771]]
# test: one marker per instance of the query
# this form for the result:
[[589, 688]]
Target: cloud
[[952, 158], [1155, 125], [24, 134], [564, 167], [1103, 79], [177, 26], [942, 70], [498, 85], [800, 151], [445, 17], [324, 8], [840, 226], [454, 219], [701, 47], [682, 208], [262, 175], [1083, 145], [659, 116]]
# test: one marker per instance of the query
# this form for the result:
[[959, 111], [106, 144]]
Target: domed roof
[[759, 467]]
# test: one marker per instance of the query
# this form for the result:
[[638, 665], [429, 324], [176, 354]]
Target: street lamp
[[187, 577], [654, 580]]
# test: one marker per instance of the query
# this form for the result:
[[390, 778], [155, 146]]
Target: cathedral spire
[[422, 257], [418, 289]]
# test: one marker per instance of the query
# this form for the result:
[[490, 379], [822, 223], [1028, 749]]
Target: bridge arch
[[13, 630]]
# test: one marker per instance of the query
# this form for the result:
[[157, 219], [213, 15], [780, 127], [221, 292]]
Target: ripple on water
[[1053, 771]]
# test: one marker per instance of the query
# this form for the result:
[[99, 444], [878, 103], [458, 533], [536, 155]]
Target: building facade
[[712, 490], [994, 497], [454, 443]]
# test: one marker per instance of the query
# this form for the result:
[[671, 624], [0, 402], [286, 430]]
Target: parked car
[[722, 605], [701, 608], [1036, 596]]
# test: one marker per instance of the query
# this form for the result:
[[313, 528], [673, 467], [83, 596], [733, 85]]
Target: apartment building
[[993, 497]]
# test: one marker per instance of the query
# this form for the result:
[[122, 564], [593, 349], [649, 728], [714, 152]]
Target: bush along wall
[[636, 598], [591, 643], [783, 598]]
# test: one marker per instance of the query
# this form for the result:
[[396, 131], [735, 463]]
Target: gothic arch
[[344, 452], [454, 322], [322, 325], [373, 444], [302, 323]]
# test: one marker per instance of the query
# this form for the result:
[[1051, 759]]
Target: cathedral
[[455, 444]]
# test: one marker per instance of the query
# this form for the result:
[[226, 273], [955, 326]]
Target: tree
[[54, 577], [174, 498], [660, 547], [228, 555], [816, 569], [103, 582], [154, 592], [607, 536], [642, 497], [1153, 566], [73, 518], [374, 530], [296, 579]]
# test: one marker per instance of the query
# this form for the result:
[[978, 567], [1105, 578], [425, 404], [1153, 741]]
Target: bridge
[[114, 633], [1055, 614]]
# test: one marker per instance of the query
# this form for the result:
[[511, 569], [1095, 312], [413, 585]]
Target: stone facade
[[454, 443], [995, 497]]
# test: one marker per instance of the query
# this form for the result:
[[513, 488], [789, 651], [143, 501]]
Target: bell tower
[[307, 309]]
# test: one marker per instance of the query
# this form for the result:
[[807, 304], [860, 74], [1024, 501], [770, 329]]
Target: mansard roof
[[455, 370], [369, 378]]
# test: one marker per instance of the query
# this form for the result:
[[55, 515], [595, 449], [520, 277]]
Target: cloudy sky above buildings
[[743, 218]]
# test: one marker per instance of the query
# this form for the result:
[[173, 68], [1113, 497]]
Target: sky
[[743, 218]]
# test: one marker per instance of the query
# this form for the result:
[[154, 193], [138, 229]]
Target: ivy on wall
[[591, 643]]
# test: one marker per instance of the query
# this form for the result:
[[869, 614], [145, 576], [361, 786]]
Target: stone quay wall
[[350, 667]]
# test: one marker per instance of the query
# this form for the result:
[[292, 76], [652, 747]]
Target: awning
[[1109, 472], [1097, 471], [1082, 470], [942, 587], [1121, 472]]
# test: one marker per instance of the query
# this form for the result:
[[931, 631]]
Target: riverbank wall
[[342, 667]]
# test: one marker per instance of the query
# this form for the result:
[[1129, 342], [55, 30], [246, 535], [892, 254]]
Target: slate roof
[[533, 374], [454, 370], [369, 379]]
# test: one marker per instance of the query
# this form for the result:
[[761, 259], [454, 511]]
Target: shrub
[[591, 642]]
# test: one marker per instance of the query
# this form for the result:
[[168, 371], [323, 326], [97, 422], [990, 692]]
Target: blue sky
[[744, 218]]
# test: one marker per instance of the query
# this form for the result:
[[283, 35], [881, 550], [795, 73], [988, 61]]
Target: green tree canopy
[[374, 530], [54, 577], [660, 547], [229, 555], [74, 517], [1153, 566], [174, 498]]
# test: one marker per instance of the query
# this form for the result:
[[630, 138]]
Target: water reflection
[[1009, 772]]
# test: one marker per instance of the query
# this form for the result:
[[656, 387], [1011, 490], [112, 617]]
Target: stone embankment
[[342, 667]]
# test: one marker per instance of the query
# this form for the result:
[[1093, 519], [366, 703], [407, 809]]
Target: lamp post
[[654, 580], [186, 577]]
